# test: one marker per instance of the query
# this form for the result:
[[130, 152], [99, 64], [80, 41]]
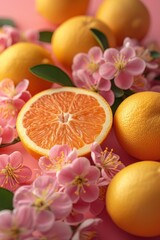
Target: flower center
[[92, 67], [80, 181], [120, 62], [58, 163], [8, 171]]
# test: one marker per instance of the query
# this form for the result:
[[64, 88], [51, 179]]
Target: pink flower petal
[[124, 80], [62, 205], [81, 206], [5, 219], [95, 54], [24, 216], [136, 66], [60, 230], [44, 220], [128, 52], [93, 174], [90, 194], [9, 134], [108, 96], [66, 175], [107, 70], [16, 159], [24, 174], [79, 61], [22, 86], [104, 85], [80, 165], [3, 160], [110, 55]]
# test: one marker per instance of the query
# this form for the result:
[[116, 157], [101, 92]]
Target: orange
[[74, 36], [58, 11], [137, 125], [133, 199], [66, 115], [125, 18], [16, 61]]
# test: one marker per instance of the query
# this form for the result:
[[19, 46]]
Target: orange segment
[[67, 115]]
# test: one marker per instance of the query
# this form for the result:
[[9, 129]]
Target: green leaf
[[101, 38], [51, 73], [155, 54], [7, 21], [117, 91], [45, 36], [116, 104], [6, 199]]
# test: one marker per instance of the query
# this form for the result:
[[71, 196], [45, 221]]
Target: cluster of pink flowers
[[11, 101], [10, 35], [59, 203], [129, 67]]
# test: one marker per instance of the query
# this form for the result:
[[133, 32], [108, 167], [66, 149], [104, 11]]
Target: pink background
[[23, 12]]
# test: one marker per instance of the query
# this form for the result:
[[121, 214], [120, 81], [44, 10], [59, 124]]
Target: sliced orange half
[[66, 115]]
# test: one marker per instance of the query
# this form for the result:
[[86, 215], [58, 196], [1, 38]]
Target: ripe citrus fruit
[[78, 38], [133, 197], [16, 61], [57, 11], [126, 19], [66, 115], [137, 125]]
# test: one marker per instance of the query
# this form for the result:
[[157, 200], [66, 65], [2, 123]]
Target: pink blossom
[[7, 133], [121, 66], [85, 72], [140, 84], [12, 171], [107, 161], [31, 35], [9, 113], [79, 180], [8, 91], [18, 224], [59, 156], [60, 230], [12, 33], [43, 195], [87, 230], [4, 42]]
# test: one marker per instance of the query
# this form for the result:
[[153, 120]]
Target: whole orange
[[125, 18], [16, 61], [133, 199], [74, 36], [137, 125], [58, 11]]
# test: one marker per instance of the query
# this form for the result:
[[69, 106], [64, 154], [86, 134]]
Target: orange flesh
[[64, 118]]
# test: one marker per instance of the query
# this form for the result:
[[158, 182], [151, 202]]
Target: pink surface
[[24, 14]]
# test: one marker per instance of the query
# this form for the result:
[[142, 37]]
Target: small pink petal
[[80, 166], [110, 55], [24, 174], [104, 85], [62, 205], [60, 230], [93, 174], [107, 70], [16, 159], [9, 134], [44, 220], [95, 54], [128, 52], [5, 220], [90, 194], [79, 61], [124, 80], [108, 96], [136, 66], [66, 175], [22, 86]]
